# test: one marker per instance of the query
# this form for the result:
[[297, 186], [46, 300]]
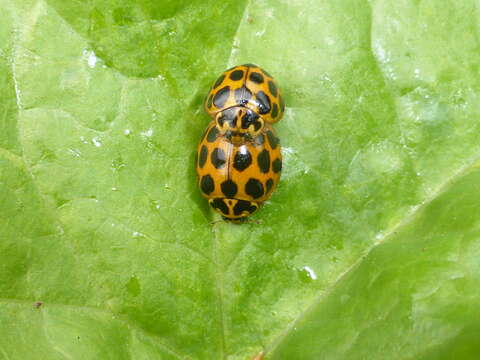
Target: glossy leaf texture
[[368, 249]]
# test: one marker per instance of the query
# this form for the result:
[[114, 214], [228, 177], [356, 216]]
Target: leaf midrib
[[218, 268]]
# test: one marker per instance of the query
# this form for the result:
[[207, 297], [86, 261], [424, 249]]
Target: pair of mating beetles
[[239, 159]]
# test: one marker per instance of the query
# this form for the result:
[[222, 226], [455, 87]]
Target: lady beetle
[[237, 178], [242, 99], [239, 159]]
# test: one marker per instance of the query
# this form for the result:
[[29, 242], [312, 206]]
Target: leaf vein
[[407, 219]]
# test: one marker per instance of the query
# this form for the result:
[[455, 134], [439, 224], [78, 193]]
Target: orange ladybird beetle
[[239, 158]]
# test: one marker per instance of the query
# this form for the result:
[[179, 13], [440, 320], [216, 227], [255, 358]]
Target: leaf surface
[[367, 250]]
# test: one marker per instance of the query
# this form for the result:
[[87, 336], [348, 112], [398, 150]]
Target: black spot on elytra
[[219, 204], [263, 102], [272, 139], [254, 188], [250, 118], [277, 165], [266, 73], [230, 113], [274, 111], [259, 140], [207, 184], [256, 77], [229, 188], [242, 159], [209, 101], [269, 184], [221, 97], [250, 65], [212, 135], [242, 95], [263, 160], [228, 116], [219, 81], [203, 156], [218, 158], [236, 75], [282, 104], [273, 88], [243, 205]]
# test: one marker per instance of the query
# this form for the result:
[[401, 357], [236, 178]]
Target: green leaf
[[369, 247]]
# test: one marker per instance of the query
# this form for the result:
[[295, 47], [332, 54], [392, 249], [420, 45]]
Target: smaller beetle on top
[[242, 100]]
